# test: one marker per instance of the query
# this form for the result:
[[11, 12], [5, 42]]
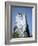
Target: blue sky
[[28, 11]]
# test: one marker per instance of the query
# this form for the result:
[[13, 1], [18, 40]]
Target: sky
[[25, 10]]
